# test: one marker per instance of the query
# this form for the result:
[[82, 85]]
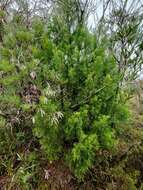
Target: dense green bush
[[65, 107], [68, 85], [80, 106]]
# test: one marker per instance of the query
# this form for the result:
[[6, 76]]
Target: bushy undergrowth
[[60, 99]]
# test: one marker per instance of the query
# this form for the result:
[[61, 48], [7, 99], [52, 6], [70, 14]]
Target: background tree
[[123, 23]]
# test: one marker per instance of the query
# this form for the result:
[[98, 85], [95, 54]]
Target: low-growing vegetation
[[70, 97]]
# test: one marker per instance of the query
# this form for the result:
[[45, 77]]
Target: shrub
[[69, 87]]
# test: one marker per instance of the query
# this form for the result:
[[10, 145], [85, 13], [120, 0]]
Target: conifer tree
[[80, 106]]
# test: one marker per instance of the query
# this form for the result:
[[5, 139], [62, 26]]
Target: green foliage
[[46, 126], [63, 109], [67, 86], [82, 155], [85, 80]]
